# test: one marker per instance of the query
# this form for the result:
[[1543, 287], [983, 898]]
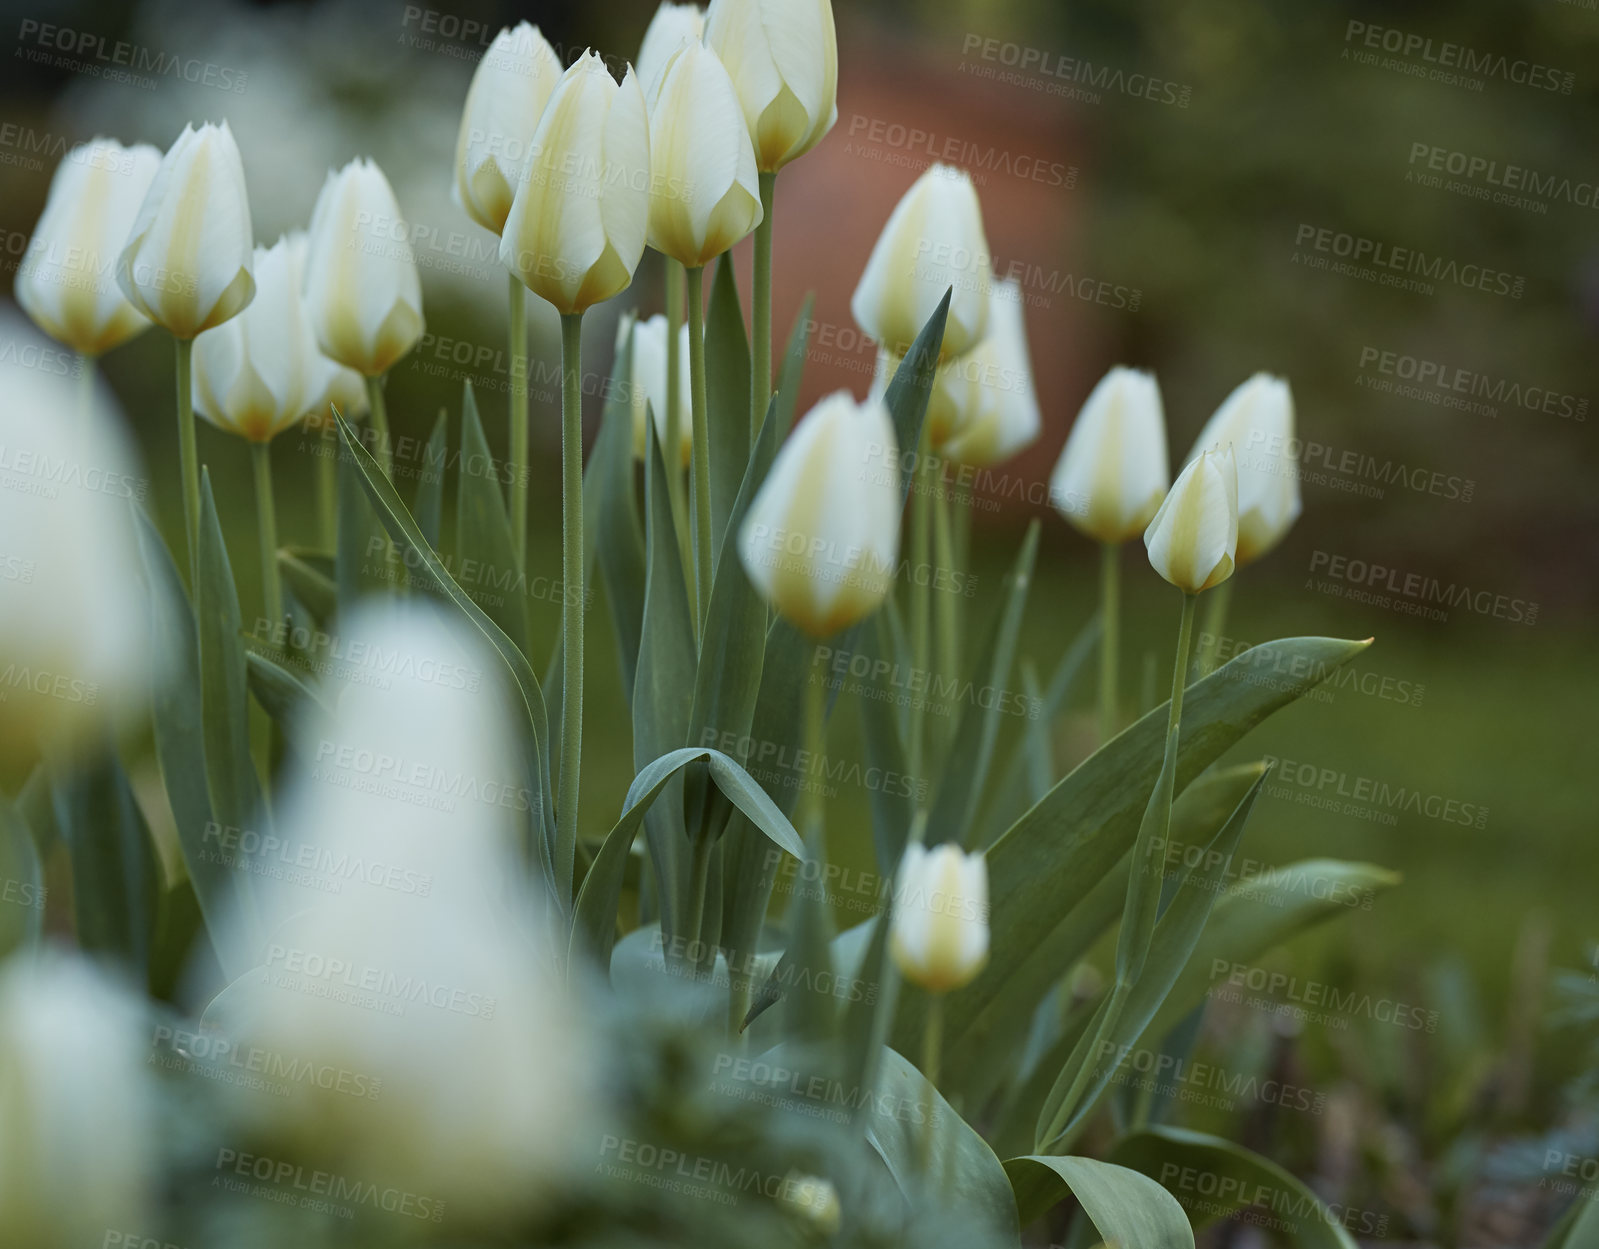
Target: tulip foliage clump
[[372, 965]]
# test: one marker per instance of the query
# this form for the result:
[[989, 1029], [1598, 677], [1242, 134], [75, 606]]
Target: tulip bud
[[939, 936], [1004, 414], [362, 288], [75, 625], [783, 58], [933, 242], [186, 261], [705, 192], [1257, 420], [813, 1200], [329, 384], [252, 374], [76, 1110], [649, 386], [67, 279], [950, 403], [577, 226], [1112, 474], [671, 25], [821, 539], [513, 83], [1193, 540]]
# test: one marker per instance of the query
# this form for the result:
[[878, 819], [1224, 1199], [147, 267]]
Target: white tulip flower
[[74, 615], [705, 192], [939, 934], [512, 84], [1193, 540], [783, 57], [186, 261], [1113, 472], [648, 390], [67, 281], [933, 242], [671, 25], [578, 224], [1257, 420], [77, 1113], [329, 384], [821, 539], [950, 403], [1004, 414], [362, 289], [253, 374]]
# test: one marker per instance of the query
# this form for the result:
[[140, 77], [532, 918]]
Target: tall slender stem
[[1109, 637], [380, 426], [932, 1060], [267, 531], [327, 480], [761, 373], [699, 880], [518, 418], [949, 621], [812, 804], [921, 600], [572, 598], [189, 455], [1215, 625], [702, 443]]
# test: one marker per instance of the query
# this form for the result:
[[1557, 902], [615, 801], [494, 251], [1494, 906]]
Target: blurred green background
[[1207, 142]]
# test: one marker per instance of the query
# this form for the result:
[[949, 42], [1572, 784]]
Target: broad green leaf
[[362, 559], [430, 481], [954, 812], [1212, 1178], [403, 528], [912, 386], [485, 552], [1048, 861], [22, 892], [1129, 1210], [614, 525], [309, 576], [727, 399], [1579, 1229], [281, 692], [224, 895], [965, 1174]]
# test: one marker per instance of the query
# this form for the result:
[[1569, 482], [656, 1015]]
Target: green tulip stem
[[327, 480], [932, 1058], [189, 457], [380, 425], [921, 594], [1143, 886], [699, 876], [812, 807], [572, 599], [761, 373], [519, 421], [1210, 634], [267, 531], [703, 570], [949, 621], [1110, 637]]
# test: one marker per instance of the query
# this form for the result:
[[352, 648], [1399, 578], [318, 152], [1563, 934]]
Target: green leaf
[[483, 541], [893, 801], [362, 558], [969, 1178], [224, 896], [727, 399], [785, 400], [280, 691], [403, 528], [430, 481], [1579, 1228], [1215, 1178], [309, 576], [22, 892], [1049, 860], [612, 518], [954, 812], [912, 386], [1130, 1210]]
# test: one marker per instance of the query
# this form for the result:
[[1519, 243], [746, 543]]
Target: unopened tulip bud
[[814, 1201], [252, 375], [671, 25], [1193, 540], [67, 280], [821, 539], [1004, 415], [939, 936], [1113, 473], [705, 192], [330, 385], [513, 83], [1257, 420], [933, 243], [649, 386], [577, 226], [783, 58], [186, 261], [950, 403], [362, 288]]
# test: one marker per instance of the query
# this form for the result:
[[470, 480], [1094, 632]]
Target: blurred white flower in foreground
[[1257, 421], [426, 973], [74, 619], [77, 1132], [67, 281]]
